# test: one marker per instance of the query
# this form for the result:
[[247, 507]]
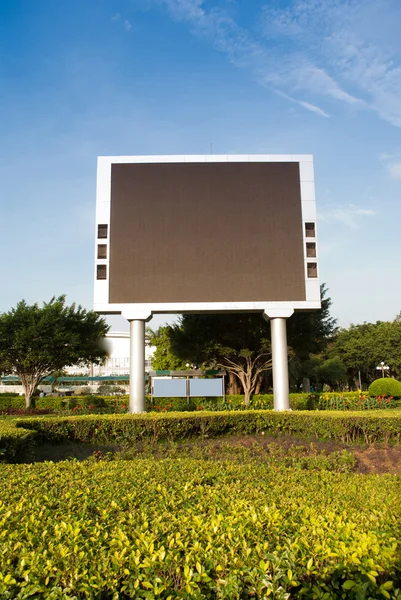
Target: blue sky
[[104, 77]]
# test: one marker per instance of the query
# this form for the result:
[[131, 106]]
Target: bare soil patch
[[369, 459]]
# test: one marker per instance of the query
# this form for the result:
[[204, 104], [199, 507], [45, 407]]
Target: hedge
[[16, 444], [385, 386], [299, 401], [189, 529], [347, 427], [60, 403]]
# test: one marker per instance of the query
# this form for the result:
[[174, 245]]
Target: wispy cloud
[[392, 162], [348, 215], [117, 18], [353, 40], [395, 170], [242, 48], [322, 49], [306, 105]]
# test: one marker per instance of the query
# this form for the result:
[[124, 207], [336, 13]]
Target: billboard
[[206, 233]]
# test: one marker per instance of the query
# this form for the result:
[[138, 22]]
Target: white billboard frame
[[146, 310], [277, 312]]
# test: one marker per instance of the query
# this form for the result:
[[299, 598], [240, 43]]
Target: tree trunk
[[233, 387], [249, 373], [29, 399], [29, 384], [259, 384], [246, 380], [247, 396], [306, 385]]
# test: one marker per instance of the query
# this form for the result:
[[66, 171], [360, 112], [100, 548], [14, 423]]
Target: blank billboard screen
[[165, 388], [206, 387], [206, 232]]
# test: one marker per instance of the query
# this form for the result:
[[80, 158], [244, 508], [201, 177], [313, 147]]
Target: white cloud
[[305, 105], [395, 170], [241, 47], [348, 215], [346, 51], [353, 40], [117, 18]]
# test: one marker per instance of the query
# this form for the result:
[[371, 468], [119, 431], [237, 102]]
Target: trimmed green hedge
[[11, 402], [347, 427], [385, 386], [65, 403], [323, 401], [186, 529], [16, 444]]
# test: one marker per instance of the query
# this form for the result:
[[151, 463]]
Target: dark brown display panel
[[206, 232]]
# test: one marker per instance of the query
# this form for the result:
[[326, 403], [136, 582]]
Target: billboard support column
[[281, 389], [137, 322], [137, 366]]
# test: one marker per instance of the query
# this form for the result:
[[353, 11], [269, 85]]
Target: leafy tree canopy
[[363, 347], [37, 341], [164, 358], [310, 332]]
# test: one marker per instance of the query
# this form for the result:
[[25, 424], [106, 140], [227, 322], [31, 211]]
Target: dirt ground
[[369, 459]]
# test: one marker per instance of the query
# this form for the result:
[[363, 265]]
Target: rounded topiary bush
[[385, 387]]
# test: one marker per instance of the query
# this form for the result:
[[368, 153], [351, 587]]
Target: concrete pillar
[[137, 366], [281, 390], [278, 329], [137, 319]]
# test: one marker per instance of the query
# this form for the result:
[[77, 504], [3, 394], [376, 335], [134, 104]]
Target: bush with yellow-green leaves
[[365, 427], [16, 444], [188, 528]]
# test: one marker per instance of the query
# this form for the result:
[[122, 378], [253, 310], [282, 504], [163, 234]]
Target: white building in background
[[117, 345]]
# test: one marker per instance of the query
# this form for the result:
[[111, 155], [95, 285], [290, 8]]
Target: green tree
[[56, 378], [239, 343], [309, 334], [332, 372], [362, 347], [164, 358], [37, 341]]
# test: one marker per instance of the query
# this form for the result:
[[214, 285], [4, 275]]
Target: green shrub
[[230, 402], [190, 529], [11, 402], [347, 427], [386, 387], [16, 444], [95, 401], [10, 394], [298, 401]]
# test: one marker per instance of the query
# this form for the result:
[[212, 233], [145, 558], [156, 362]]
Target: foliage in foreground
[[16, 444], [192, 529], [366, 427]]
